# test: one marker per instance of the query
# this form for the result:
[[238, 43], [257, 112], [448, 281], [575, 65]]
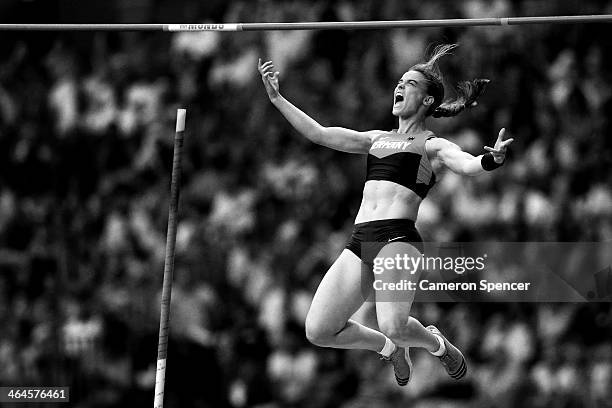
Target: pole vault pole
[[321, 25], [175, 186]]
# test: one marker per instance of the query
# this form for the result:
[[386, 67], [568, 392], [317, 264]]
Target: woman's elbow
[[472, 169], [318, 135]]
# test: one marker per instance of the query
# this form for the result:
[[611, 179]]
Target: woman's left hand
[[499, 150]]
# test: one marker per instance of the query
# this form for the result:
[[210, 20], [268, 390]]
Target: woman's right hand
[[269, 78]]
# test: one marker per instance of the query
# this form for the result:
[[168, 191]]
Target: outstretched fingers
[[493, 150], [500, 143], [264, 64], [269, 77], [500, 136], [266, 68]]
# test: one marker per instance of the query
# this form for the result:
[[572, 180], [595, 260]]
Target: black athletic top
[[401, 158]]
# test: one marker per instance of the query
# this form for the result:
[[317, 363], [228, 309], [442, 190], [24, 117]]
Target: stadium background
[[86, 125]]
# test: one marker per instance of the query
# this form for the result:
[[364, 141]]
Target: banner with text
[[487, 272]]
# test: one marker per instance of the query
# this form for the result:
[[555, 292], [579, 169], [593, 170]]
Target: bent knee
[[319, 332]]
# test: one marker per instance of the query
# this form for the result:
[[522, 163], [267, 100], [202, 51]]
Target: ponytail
[[467, 93]]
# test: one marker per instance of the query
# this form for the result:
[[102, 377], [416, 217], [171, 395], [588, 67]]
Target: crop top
[[402, 159]]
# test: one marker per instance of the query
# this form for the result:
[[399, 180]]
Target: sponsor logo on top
[[392, 144], [199, 27]]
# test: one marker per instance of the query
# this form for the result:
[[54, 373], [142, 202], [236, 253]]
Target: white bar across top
[[321, 25]]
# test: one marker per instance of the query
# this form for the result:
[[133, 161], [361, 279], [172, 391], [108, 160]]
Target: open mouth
[[398, 98]]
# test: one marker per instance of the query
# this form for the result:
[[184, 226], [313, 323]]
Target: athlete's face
[[410, 94]]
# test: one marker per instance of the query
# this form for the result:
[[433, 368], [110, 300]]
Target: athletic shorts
[[379, 233]]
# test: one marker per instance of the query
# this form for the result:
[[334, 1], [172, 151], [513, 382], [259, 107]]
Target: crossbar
[[320, 25]]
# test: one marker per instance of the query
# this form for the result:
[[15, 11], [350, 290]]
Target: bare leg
[[338, 297], [366, 315], [393, 309]]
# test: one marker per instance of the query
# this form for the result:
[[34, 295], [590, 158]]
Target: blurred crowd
[[86, 138]]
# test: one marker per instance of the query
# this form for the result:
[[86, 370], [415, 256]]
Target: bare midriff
[[386, 200]]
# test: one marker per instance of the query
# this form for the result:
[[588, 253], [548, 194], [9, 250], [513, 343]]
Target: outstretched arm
[[338, 138], [464, 163]]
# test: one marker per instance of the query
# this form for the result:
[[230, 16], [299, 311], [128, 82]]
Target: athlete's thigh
[[341, 291], [393, 305]]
